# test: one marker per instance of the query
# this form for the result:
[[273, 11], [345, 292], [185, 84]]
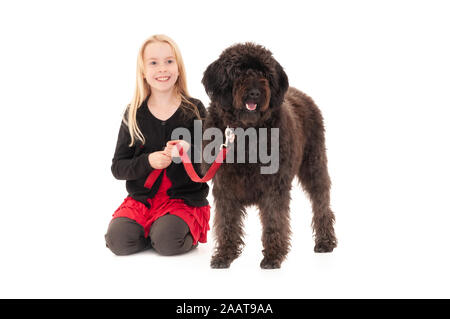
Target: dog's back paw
[[324, 246]]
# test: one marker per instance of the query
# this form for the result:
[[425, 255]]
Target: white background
[[379, 71]]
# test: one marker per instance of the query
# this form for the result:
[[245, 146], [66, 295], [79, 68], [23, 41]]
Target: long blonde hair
[[143, 90]]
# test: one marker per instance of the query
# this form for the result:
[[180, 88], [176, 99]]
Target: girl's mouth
[[163, 78]]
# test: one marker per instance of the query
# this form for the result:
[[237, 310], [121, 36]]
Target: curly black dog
[[249, 88]]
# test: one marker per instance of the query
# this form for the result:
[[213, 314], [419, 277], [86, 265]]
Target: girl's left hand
[[172, 149]]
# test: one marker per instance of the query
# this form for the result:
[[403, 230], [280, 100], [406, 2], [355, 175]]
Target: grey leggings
[[169, 235]]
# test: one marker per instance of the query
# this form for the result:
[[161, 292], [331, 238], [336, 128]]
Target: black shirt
[[131, 163]]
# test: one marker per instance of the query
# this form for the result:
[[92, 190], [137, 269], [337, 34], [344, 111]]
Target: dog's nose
[[254, 93]]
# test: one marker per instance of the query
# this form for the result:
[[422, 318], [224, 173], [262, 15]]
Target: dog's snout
[[254, 93]]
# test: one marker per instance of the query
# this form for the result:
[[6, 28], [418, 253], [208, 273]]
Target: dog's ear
[[214, 79], [279, 86], [282, 79]]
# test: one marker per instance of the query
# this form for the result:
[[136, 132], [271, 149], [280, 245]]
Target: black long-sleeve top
[[132, 164]]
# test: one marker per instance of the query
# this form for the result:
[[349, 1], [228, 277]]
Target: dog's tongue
[[251, 106]]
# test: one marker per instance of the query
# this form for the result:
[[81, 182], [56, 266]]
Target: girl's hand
[[172, 149], [159, 160]]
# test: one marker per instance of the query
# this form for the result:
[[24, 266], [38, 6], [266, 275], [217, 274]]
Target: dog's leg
[[228, 227], [315, 180], [274, 213]]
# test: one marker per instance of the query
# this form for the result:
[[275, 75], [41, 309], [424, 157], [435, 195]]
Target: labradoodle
[[249, 89]]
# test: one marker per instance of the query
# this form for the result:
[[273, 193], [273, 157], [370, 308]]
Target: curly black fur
[[248, 73]]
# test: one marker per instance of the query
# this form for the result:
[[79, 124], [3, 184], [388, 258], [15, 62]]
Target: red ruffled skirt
[[197, 218]]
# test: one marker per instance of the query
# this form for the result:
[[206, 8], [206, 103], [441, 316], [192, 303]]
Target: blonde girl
[[164, 211]]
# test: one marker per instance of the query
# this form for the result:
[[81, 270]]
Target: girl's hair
[[143, 90]]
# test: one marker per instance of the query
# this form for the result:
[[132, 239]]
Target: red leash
[[190, 168], [152, 178], [212, 170]]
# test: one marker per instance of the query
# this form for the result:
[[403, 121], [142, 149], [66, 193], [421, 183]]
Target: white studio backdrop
[[379, 71]]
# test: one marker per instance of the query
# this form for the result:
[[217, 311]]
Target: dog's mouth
[[249, 114], [251, 106]]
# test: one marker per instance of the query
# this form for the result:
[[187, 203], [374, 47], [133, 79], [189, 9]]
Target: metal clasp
[[229, 137]]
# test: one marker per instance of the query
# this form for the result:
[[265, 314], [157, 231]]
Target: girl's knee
[[170, 235], [125, 236]]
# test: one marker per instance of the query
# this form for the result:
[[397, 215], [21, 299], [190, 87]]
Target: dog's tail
[[313, 172]]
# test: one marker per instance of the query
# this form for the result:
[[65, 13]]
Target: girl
[[168, 211]]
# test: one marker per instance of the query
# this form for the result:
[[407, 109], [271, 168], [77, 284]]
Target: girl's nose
[[162, 68]]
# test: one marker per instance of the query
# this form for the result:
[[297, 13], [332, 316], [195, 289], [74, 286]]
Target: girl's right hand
[[159, 160]]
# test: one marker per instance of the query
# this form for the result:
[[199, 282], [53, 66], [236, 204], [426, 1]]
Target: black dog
[[248, 88]]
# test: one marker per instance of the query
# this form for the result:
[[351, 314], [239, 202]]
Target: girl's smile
[[160, 66], [163, 78]]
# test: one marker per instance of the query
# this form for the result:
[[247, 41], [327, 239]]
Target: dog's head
[[247, 81]]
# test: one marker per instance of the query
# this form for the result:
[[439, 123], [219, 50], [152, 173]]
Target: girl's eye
[[169, 61], [153, 63]]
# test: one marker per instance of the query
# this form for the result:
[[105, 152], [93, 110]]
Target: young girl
[[168, 211]]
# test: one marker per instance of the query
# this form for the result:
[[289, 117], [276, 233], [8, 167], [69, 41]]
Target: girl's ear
[[214, 79]]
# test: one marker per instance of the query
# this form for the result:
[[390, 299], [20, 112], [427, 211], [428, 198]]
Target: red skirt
[[197, 218]]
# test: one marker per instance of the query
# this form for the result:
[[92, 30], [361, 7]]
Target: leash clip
[[229, 137]]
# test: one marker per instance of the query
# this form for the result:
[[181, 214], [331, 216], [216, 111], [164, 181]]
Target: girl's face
[[160, 66]]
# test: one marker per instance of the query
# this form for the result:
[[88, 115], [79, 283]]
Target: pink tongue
[[251, 106]]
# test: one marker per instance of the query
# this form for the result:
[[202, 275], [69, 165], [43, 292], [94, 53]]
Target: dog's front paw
[[324, 246], [267, 263], [218, 262]]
